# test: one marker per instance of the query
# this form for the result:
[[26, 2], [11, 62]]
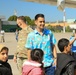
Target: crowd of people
[[36, 52]]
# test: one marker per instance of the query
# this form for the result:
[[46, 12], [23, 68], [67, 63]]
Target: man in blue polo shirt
[[44, 39], [73, 49]]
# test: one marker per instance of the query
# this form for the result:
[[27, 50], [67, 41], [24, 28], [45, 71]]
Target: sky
[[7, 8]]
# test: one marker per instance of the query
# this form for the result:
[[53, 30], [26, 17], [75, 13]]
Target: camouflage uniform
[[21, 52]]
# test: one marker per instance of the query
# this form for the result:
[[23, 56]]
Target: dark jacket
[[5, 68], [65, 64]]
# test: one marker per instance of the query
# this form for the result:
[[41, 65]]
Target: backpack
[[68, 69]]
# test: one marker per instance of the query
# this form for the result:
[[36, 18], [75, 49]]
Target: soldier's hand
[[15, 59]]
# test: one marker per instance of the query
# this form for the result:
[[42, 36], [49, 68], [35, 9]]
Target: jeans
[[17, 38], [49, 70], [74, 55]]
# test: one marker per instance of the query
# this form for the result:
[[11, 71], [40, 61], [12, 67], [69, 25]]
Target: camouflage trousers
[[20, 62]]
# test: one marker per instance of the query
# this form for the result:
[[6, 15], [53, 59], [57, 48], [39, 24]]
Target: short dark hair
[[4, 48], [37, 55], [62, 43], [39, 15], [22, 18]]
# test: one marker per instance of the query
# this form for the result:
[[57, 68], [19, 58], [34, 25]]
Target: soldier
[[21, 53]]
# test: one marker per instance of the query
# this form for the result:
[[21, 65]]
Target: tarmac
[[11, 43]]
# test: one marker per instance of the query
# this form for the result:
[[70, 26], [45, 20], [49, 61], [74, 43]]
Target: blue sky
[[51, 13]]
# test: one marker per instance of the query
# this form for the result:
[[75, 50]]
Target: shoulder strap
[[67, 65], [65, 68]]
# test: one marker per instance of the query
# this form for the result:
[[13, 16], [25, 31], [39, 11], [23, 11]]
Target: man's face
[[19, 23], [40, 22], [75, 34]]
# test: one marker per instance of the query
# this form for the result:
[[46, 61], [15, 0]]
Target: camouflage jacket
[[22, 37]]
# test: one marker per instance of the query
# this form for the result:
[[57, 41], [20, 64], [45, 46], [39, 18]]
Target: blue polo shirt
[[44, 42], [73, 45]]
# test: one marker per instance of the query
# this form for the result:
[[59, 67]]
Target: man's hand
[[15, 59], [75, 36], [55, 62]]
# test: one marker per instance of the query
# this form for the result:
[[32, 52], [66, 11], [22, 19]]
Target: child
[[5, 68], [65, 62], [34, 66]]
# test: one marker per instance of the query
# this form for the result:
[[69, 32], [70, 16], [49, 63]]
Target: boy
[[5, 68], [65, 62]]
